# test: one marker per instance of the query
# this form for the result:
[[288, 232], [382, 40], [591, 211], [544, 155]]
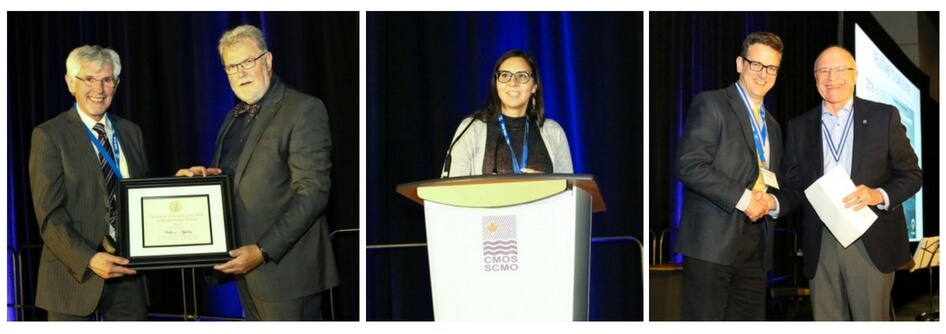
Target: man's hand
[[198, 170], [760, 203], [765, 198], [862, 197], [109, 266], [245, 259]]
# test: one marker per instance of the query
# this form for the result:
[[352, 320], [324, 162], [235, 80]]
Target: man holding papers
[[848, 137]]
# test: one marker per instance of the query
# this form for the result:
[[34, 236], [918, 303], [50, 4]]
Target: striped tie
[[107, 171]]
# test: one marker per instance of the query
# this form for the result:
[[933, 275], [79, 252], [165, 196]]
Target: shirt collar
[[845, 110], [90, 123]]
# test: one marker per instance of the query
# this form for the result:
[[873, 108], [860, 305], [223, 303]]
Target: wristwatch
[[266, 258]]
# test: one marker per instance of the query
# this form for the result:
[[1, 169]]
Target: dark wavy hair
[[536, 106], [762, 37]]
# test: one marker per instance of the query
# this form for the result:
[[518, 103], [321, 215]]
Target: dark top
[[497, 159]]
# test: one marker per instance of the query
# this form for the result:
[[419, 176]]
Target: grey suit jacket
[[281, 188], [716, 162], [71, 203], [881, 158]]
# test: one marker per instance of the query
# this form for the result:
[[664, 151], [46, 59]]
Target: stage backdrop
[[173, 86], [427, 71]]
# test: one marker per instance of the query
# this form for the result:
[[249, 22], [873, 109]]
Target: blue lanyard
[[837, 150], [525, 145], [108, 157], [760, 132]]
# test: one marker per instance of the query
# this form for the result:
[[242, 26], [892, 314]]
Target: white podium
[[509, 247]]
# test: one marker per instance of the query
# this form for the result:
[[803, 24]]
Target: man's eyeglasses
[[247, 64], [826, 72], [757, 67], [522, 77], [106, 81]]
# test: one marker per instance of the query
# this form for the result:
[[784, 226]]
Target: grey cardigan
[[468, 153]]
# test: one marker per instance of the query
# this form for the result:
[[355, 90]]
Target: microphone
[[496, 155], [446, 160]]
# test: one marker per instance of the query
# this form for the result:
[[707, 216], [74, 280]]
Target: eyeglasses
[[757, 67], [247, 64], [522, 77], [826, 72], [106, 81]]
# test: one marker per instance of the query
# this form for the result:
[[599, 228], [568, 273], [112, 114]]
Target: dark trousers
[[713, 291], [306, 308], [123, 299]]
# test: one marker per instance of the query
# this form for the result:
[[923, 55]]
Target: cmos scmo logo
[[500, 247]]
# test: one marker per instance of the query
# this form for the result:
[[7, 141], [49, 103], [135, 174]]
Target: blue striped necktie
[[107, 171]]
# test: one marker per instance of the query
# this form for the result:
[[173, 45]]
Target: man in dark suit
[[276, 145], [726, 160], [75, 159], [867, 140]]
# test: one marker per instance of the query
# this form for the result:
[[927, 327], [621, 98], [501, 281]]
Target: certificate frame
[[175, 222]]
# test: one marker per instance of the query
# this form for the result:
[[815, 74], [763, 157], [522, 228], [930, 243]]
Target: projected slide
[[879, 80]]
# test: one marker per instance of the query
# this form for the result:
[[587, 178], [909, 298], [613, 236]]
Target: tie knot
[[243, 108], [100, 128]]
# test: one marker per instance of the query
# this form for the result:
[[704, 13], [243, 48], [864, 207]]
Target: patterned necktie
[[107, 171], [243, 108], [759, 182]]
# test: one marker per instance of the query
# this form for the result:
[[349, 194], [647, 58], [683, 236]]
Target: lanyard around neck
[[760, 132], [108, 157], [837, 150], [525, 145]]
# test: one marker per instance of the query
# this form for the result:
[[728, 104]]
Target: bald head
[[835, 76]]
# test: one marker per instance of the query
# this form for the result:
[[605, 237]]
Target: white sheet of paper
[[827, 197]]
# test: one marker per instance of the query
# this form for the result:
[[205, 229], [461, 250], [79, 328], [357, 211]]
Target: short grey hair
[[93, 55], [238, 34]]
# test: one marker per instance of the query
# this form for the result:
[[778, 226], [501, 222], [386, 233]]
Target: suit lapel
[[129, 147], [79, 134], [266, 115], [775, 140], [739, 111], [859, 127], [218, 147], [85, 153], [812, 135]]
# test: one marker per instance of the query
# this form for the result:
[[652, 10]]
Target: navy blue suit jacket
[[882, 158]]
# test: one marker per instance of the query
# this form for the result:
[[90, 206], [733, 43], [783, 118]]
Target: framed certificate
[[175, 222]]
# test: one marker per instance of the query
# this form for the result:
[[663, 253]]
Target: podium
[[508, 247]]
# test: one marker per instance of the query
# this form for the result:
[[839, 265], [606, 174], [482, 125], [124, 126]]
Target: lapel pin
[[865, 121]]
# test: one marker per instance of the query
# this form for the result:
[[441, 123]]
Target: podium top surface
[[585, 182]]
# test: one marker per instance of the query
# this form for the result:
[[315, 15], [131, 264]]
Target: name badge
[[769, 178]]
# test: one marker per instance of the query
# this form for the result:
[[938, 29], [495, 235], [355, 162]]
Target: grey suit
[[716, 162], [281, 186], [70, 202]]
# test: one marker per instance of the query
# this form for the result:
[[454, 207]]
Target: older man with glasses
[[75, 162], [867, 141], [276, 145]]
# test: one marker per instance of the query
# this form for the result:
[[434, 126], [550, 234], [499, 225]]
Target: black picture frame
[[175, 222]]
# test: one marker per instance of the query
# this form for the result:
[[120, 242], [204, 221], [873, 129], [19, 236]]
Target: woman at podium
[[511, 134]]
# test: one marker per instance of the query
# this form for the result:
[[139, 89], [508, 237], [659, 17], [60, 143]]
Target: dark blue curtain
[[173, 87], [691, 52], [426, 71], [695, 52]]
